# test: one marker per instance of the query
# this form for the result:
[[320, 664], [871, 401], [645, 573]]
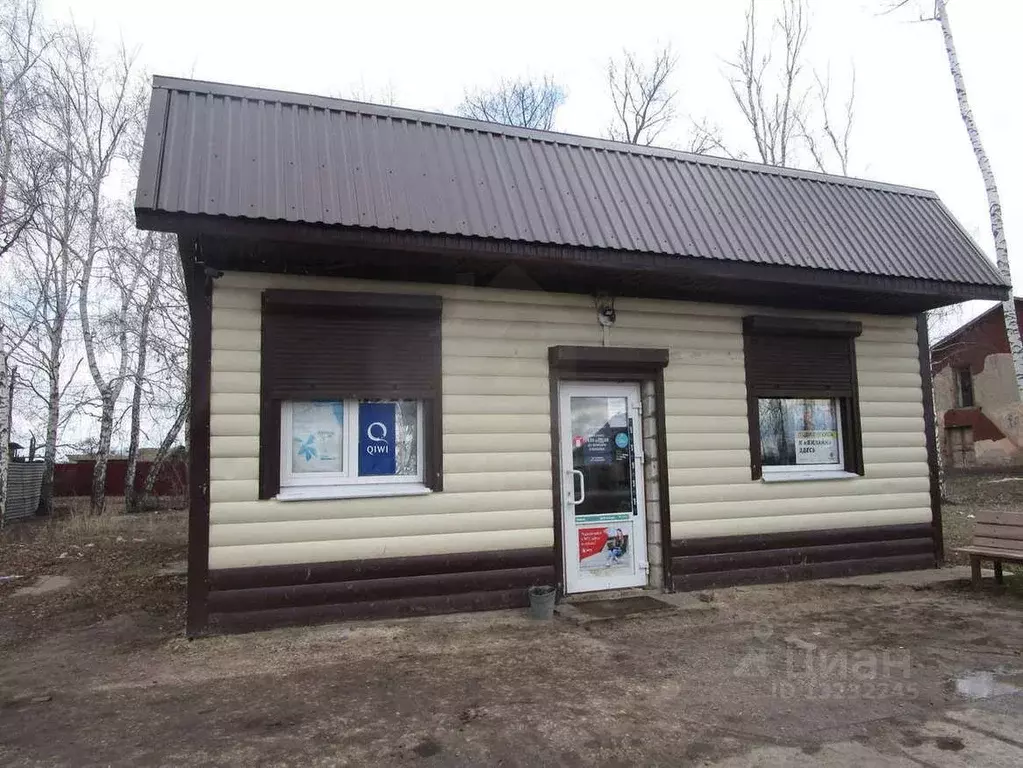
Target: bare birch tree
[[831, 137], [22, 43], [50, 273], [21, 171], [151, 261], [788, 107], [772, 104], [170, 345], [642, 96], [522, 102], [103, 105], [46, 276], [990, 187]]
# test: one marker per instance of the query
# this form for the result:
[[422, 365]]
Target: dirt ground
[[97, 673]]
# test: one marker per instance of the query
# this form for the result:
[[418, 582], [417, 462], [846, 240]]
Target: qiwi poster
[[605, 547]]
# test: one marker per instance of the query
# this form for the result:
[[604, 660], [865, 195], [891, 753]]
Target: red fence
[[75, 479]]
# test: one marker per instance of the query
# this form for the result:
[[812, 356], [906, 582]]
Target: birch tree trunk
[[131, 498], [993, 199], [50, 446], [5, 421], [164, 451]]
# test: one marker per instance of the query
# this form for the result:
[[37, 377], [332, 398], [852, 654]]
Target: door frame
[[611, 365], [632, 392]]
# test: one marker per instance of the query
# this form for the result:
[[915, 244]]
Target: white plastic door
[[602, 510]]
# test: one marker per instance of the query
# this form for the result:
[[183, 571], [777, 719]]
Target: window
[[350, 442], [964, 388], [803, 408], [350, 395], [800, 432]]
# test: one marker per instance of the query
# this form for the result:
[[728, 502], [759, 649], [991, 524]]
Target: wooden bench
[[998, 536]]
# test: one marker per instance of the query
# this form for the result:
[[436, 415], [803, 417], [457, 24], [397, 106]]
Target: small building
[[436, 361], [976, 396]]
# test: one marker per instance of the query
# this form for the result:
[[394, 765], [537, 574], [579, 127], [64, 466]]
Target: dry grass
[[113, 561]]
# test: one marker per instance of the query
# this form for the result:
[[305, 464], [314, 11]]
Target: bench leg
[[998, 572], [975, 571]]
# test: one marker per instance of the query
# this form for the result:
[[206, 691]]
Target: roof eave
[[937, 293]]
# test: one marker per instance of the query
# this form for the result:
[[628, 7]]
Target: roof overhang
[[246, 245]]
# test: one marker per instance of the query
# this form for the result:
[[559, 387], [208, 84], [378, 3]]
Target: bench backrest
[[999, 530]]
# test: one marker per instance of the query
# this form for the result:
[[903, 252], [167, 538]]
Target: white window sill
[[803, 475], [326, 492]]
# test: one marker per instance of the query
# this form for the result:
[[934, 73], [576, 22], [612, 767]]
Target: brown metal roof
[[253, 154]]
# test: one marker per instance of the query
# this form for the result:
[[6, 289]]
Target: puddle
[[985, 684]]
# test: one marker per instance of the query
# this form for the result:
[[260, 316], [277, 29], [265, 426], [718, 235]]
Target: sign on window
[[816, 446], [317, 430], [606, 547], [377, 453]]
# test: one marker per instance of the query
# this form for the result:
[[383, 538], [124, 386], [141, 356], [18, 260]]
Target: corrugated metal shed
[[24, 481], [265, 155]]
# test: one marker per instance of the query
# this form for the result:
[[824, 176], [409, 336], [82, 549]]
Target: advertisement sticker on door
[[605, 548]]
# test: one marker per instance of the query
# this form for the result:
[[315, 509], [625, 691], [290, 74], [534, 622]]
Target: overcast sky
[[907, 131]]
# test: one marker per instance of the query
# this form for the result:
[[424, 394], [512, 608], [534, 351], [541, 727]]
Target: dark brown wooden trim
[[263, 576], [764, 558], [369, 590], [930, 433], [803, 571], [199, 288], [604, 358], [830, 536], [609, 364], [269, 428], [800, 326], [433, 471], [290, 300], [756, 462], [921, 294], [376, 609], [269, 446], [852, 428]]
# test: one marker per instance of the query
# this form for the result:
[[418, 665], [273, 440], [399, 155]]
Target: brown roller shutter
[[334, 354], [320, 345], [799, 366]]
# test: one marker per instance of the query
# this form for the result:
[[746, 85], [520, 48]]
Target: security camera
[[605, 309]]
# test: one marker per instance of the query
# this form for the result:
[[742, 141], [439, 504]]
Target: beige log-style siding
[[496, 417]]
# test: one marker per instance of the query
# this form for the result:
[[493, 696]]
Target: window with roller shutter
[[350, 394], [803, 405]]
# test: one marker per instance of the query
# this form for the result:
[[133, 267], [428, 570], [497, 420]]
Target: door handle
[[582, 488]]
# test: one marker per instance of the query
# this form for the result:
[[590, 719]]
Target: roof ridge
[[533, 134]]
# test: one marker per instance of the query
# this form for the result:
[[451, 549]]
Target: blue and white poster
[[376, 439], [316, 436]]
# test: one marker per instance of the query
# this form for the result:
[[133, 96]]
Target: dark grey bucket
[[541, 602]]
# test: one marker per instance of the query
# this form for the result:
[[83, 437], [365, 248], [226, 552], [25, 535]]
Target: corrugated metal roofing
[[267, 155]]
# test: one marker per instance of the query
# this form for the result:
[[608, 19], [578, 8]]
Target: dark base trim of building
[[766, 558], [243, 599]]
